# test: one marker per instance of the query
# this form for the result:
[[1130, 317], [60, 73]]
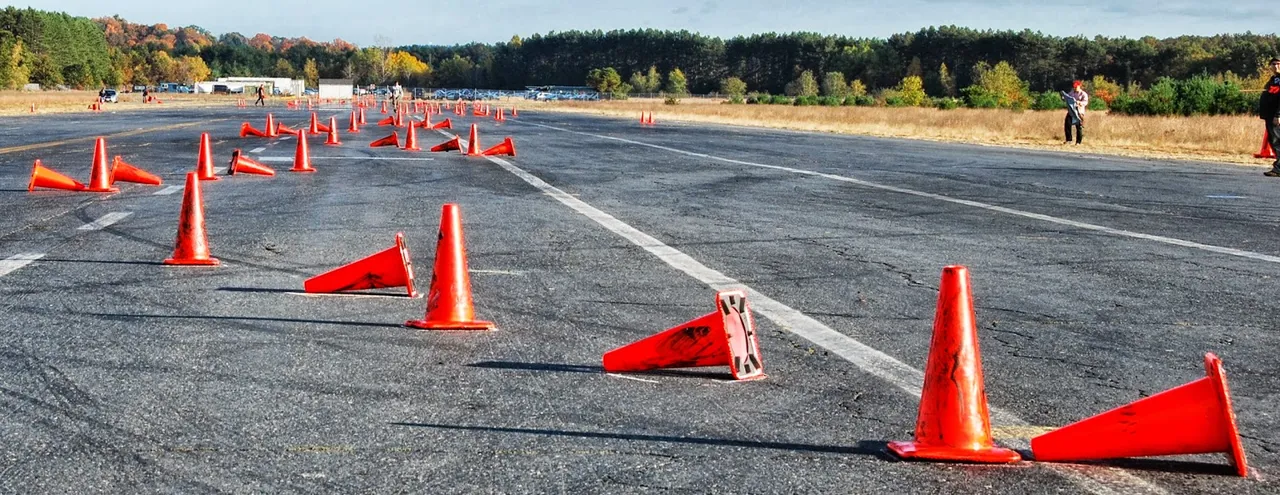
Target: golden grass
[[1231, 139], [19, 102]]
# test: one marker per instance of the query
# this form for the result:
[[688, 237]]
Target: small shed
[[336, 88]]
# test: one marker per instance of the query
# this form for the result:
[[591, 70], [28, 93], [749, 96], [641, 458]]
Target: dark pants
[[1273, 138], [1066, 129], [260, 100]]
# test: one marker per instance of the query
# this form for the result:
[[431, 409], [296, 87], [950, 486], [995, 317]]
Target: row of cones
[[506, 147], [101, 178]]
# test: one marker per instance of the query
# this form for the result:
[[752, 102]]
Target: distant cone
[[191, 246], [500, 117], [411, 139], [953, 424], [392, 140], [51, 179], [100, 178], [1195, 418], [122, 171], [1265, 151], [506, 147], [473, 143], [443, 124], [314, 128], [389, 268], [272, 130], [360, 115], [725, 337], [204, 162], [333, 132], [450, 145], [302, 155], [449, 298], [384, 106], [241, 164], [247, 130], [425, 123], [354, 126]]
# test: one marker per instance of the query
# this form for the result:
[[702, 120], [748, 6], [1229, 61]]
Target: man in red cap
[[1269, 111], [1078, 99]]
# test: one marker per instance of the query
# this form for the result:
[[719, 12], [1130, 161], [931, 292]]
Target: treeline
[[50, 48]]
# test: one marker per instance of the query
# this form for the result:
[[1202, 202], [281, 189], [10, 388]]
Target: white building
[[335, 89], [274, 85]]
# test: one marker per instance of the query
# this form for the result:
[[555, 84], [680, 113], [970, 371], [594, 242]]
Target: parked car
[[139, 88], [110, 96], [310, 92]]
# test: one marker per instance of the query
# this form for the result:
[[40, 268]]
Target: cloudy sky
[[435, 22]]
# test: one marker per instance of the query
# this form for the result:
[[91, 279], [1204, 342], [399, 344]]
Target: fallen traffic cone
[[272, 130], [1195, 418], [333, 132], [354, 126], [392, 140], [122, 171], [443, 124], [391, 121], [506, 147], [449, 298], [192, 246], [248, 130], [243, 164], [388, 268], [204, 163], [724, 337], [953, 424], [51, 179], [100, 177], [301, 155], [411, 139], [450, 145], [284, 129], [473, 143], [1265, 151]]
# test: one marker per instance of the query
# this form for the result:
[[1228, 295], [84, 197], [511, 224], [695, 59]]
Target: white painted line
[[344, 294], [8, 265], [633, 378], [289, 159], [167, 191], [497, 272], [910, 380], [1225, 196], [976, 204], [259, 149], [105, 220], [285, 138]]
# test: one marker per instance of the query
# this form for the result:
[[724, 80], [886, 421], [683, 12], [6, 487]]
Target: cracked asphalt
[[1097, 281]]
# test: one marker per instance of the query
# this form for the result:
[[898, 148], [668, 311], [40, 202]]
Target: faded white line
[[8, 265], [497, 272], [347, 294], [105, 220], [976, 204], [259, 149], [167, 191], [1100, 480], [356, 158], [633, 378]]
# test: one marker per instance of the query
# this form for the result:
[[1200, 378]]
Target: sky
[[489, 21]]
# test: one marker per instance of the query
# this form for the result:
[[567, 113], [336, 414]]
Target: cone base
[[915, 451], [1213, 369], [211, 177], [193, 262], [102, 190], [308, 170], [451, 325]]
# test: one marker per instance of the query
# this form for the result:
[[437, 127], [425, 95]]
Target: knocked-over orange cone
[[333, 132], [1265, 151], [953, 424], [449, 298], [302, 155], [724, 337], [443, 124], [450, 145], [1195, 418], [192, 246], [204, 162], [391, 121], [473, 142], [389, 268], [392, 140], [100, 178], [247, 130], [51, 179], [241, 164], [284, 129], [506, 147], [122, 171], [411, 139]]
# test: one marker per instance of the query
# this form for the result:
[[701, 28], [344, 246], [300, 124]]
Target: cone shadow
[[1162, 466], [512, 365], [107, 262], [246, 318]]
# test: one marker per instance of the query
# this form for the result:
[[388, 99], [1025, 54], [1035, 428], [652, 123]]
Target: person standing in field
[[262, 97], [1081, 101], [1269, 112]]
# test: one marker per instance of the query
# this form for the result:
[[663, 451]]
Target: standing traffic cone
[[100, 178], [953, 424], [389, 268], [51, 179], [642, 121], [499, 116], [725, 337], [392, 140], [248, 130], [426, 122], [473, 143], [333, 132], [515, 112], [411, 139], [449, 298], [243, 164], [354, 126], [314, 128], [384, 106], [506, 147], [360, 115], [191, 246], [204, 163], [1265, 151], [443, 124], [272, 131], [122, 171], [1195, 418], [301, 155], [450, 145]]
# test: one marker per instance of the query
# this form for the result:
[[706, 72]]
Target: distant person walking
[[1269, 112], [1080, 99], [146, 94], [262, 97]]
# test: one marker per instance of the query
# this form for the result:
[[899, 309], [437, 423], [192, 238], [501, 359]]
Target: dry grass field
[[19, 102]]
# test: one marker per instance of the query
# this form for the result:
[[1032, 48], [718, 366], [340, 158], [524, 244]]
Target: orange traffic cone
[[284, 129], [333, 132], [361, 116], [411, 139], [499, 117], [314, 128], [384, 106], [389, 268], [515, 112], [443, 124], [100, 178], [272, 131], [450, 145], [301, 155], [248, 130], [391, 121], [392, 140], [354, 126], [650, 118], [1265, 151], [473, 143], [1195, 418], [204, 163], [642, 121], [122, 171], [506, 147], [723, 337], [425, 123], [449, 298], [51, 179], [191, 247], [953, 424], [243, 164]]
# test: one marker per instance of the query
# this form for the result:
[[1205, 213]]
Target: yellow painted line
[[135, 132], [1019, 432]]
